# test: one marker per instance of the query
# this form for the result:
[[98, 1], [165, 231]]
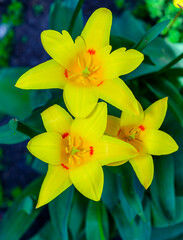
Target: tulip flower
[[85, 69], [76, 150], [178, 3], [142, 132]]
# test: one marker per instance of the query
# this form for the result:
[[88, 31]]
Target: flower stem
[[172, 22]]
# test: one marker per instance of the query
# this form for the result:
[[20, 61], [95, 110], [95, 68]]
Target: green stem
[[23, 128], [169, 65], [172, 22], [75, 14]]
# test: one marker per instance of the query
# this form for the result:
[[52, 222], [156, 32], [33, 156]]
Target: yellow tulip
[[76, 150], [142, 132], [178, 3], [86, 69]]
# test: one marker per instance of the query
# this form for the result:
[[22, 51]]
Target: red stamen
[[64, 166], [91, 150], [119, 131], [64, 135], [142, 127], [66, 73], [100, 83], [91, 51]]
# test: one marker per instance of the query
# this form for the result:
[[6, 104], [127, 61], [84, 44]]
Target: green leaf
[[61, 14], [78, 211], [127, 26], [118, 42], [151, 35], [17, 220], [59, 210], [27, 205], [110, 195], [10, 135], [164, 88], [128, 189], [46, 233], [162, 188], [39, 98], [13, 101], [97, 223]]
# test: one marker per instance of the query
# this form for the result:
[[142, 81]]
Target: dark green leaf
[[39, 98], [78, 211], [129, 191], [17, 220], [151, 35], [118, 42], [46, 233], [59, 210], [13, 101], [9, 134], [97, 226], [164, 88], [61, 15], [162, 188]]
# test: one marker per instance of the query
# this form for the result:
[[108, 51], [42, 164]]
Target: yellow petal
[[110, 150], [47, 147], [144, 169], [178, 3], [128, 120], [121, 62], [158, 142], [56, 181], [96, 32], [92, 127], [59, 46], [56, 119], [155, 114], [79, 100], [116, 92], [44, 76], [113, 126], [88, 179]]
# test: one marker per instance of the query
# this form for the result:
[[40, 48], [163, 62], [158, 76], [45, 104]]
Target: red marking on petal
[[64, 166], [91, 51], [91, 150], [100, 83], [64, 135], [119, 131], [66, 73], [142, 127]]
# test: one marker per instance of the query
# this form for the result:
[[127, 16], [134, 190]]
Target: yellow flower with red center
[[142, 133], [76, 150], [86, 69], [178, 3]]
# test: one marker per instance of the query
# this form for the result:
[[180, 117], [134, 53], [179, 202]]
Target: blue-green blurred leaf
[[61, 15], [13, 101], [46, 233], [78, 211], [97, 223], [16, 220], [39, 98], [162, 188], [59, 210], [164, 88], [151, 35], [128, 189], [9, 134]]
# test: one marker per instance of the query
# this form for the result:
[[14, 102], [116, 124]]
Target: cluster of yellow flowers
[[76, 149]]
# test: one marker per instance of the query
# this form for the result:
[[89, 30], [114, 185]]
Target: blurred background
[[21, 23]]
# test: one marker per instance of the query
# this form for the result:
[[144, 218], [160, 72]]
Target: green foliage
[[38, 9], [126, 209], [159, 11]]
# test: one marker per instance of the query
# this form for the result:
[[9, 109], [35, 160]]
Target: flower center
[[77, 152], [132, 136], [86, 70]]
